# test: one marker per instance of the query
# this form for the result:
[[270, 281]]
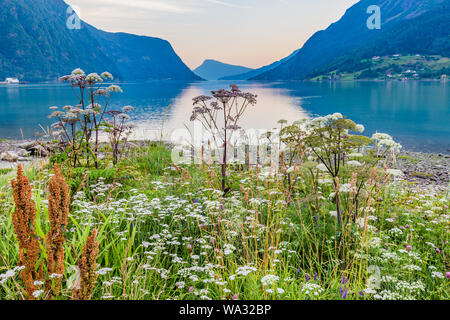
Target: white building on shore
[[12, 81]]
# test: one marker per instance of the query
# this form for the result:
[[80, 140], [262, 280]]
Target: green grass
[[423, 174], [167, 233], [5, 171]]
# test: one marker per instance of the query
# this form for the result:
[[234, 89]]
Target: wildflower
[[127, 109], [93, 78], [436, 274], [344, 293], [114, 88], [38, 293], [56, 114], [447, 275], [437, 250], [359, 128], [269, 280], [78, 71], [408, 247], [235, 297], [107, 75], [310, 288], [228, 249]]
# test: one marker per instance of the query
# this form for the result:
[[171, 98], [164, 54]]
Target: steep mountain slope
[[257, 72], [36, 45], [214, 70], [141, 58], [427, 34], [348, 34]]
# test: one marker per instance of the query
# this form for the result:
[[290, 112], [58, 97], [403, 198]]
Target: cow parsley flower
[[269, 280], [37, 293]]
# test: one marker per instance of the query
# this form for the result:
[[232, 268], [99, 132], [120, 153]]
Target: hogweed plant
[[330, 140], [220, 115], [79, 127], [118, 131]]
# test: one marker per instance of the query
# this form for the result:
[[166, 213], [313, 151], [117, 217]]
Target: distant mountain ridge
[[349, 34], [215, 70], [257, 72], [36, 45]]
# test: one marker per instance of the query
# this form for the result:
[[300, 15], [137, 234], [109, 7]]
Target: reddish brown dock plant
[[87, 266], [23, 219], [58, 214]]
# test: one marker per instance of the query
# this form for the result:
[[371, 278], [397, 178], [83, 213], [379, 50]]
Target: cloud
[[163, 6], [227, 4], [148, 5]]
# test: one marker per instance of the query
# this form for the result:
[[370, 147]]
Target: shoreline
[[236, 80], [421, 168]]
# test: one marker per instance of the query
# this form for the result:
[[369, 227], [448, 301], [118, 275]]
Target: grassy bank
[[167, 232]]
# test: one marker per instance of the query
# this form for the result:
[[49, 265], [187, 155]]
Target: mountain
[[37, 45], [142, 58], [351, 33], [214, 70], [257, 72], [421, 37]]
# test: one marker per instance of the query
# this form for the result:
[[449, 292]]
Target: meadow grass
[[167, 232]]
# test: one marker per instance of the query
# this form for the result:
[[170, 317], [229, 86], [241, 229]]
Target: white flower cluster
[[384, 141], [10, 274], [269, 280], [310, 288]]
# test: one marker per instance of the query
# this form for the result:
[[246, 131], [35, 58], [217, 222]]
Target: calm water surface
[[417, 114]]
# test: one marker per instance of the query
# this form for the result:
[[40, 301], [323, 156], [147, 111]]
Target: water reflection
[[416, 113], [273, 105]]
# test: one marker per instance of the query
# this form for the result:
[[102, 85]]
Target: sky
[[251, 33]]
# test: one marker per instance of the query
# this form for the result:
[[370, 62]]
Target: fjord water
[[415, 113]]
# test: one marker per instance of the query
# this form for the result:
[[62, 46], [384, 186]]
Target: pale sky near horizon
[[251, 33]]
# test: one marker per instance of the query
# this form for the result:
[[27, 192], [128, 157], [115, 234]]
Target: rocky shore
[[14, 152], [424, 169]]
